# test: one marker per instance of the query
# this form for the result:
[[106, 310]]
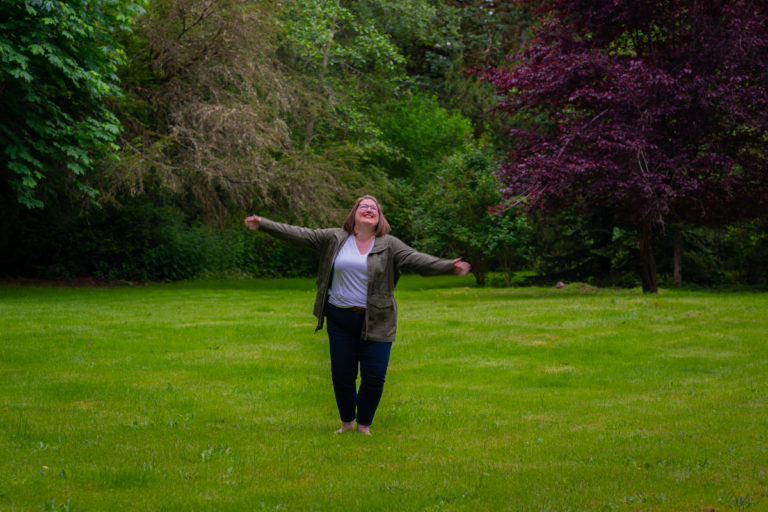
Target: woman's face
[[367, 214]]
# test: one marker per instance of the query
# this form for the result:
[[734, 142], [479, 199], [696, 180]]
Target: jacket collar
[[382, 242]]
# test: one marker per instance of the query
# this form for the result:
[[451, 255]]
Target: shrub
[[143, 239]]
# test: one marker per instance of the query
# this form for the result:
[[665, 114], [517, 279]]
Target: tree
[[58, 69], [342, 56], [654, 110], [457, 214], [491, 29], [422, 134], [214, 117]]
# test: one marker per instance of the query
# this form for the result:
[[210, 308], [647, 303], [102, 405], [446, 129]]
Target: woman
[[359, 266]]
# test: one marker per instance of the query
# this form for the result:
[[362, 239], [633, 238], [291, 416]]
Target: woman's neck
[[364, 234]]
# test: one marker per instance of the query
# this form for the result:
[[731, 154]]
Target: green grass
[[217, 396]]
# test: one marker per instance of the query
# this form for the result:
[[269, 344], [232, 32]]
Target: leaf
[[76, 168]]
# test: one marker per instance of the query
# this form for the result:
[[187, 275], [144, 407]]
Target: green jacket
[[385, 261]]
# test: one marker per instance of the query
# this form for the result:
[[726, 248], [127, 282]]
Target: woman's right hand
[[253, 222]]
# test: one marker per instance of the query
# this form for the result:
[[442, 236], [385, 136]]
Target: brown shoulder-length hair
[[382, 228]]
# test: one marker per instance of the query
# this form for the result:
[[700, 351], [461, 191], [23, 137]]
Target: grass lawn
[[217, 396]]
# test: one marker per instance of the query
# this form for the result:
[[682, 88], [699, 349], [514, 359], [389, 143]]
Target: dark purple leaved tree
[[654, 109]]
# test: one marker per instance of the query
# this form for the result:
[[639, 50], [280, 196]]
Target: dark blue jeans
[[348, 352]]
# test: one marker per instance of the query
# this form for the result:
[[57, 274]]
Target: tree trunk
[[479, 277], [677, 257], [647, 262], [479, 269]]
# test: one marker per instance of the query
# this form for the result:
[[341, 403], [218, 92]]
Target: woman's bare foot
[[364, 429], [346, 425]]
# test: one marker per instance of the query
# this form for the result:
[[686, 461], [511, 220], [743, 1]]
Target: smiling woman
[[360, 264]]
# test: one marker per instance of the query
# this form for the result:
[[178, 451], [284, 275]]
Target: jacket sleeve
[[297, 235], [408, 258]]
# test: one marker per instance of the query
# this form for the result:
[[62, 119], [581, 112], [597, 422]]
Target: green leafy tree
[[426, 33], [458, 214], [345, 61], [58, 69], [422, 134], [329, 34]]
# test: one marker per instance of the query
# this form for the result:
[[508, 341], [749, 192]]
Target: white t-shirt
[[349, 286]]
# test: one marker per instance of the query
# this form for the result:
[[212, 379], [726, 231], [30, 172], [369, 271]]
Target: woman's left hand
[[461, 268]]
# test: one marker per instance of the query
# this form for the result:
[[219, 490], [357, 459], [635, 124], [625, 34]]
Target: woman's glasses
[[368, 207]]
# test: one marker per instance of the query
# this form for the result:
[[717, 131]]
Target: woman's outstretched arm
[[297, 235]]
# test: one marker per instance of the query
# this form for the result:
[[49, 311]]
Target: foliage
[[441, 41], [726, 255], [422, 133], [590, 249], [212, 115], [409, 23], [654, 110], [139, 239], [504, 280], [747, 245], [292, 109], [58, 70], [200, 123], [492, 30], [330, 35], [428, 34], [345, 63], [438, 38], [456, 214]]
